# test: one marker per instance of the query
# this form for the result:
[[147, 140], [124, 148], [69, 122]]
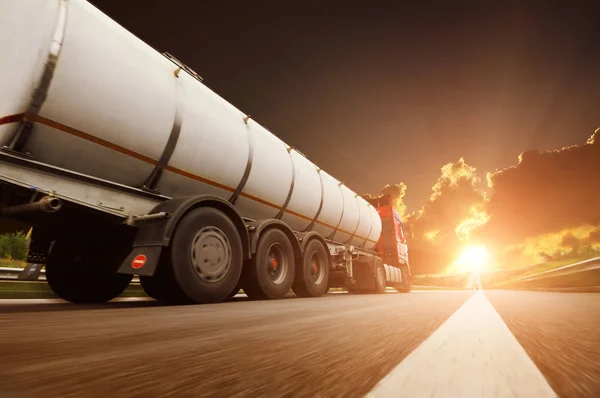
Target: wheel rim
[[317, 270], [277, 264], [211, 254]]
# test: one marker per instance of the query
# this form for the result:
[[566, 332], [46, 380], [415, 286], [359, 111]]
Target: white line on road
[[473, 354]]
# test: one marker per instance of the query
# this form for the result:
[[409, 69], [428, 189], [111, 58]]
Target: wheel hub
[[211, 254], [317, 272], [277, 264]]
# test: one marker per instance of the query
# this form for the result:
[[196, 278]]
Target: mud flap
[[142, 260]]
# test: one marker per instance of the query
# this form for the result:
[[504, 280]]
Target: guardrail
[[581, 274], [8, 273], [586, 265], [12, 274]]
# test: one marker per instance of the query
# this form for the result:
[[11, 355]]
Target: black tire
[[233, 293], [206, 256], [84, 271], [352, 290], [152, 287], [405, 286], [312, 273], [378, 277], [162, 286], [166, 287], [270, 273]]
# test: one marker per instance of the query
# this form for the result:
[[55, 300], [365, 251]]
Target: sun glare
[[473, 258]]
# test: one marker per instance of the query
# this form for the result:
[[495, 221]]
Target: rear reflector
[[139, 261]]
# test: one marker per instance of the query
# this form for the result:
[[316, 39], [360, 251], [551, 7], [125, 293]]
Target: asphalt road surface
[[426, 343]]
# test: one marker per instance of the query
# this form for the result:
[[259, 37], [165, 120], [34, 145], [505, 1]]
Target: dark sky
[[379, 92]]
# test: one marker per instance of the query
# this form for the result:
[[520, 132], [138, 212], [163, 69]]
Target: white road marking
[[473, 354]]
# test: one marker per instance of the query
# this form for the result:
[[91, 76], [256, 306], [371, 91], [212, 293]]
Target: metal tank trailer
[[152, 173]]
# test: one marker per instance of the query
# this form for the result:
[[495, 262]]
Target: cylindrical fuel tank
[[104, 103]]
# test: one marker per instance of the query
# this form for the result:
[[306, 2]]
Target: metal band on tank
[[342, 216], [154, 177], [314, 220], [371, 227], [21, 136], [289, 196], [358, 223], [244, 180]]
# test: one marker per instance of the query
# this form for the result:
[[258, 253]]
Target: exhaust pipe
[[47, 204]]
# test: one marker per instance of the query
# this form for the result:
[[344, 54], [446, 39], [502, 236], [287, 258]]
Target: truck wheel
[[152, 287], [405, 286], [206, 255], [379, 277], [312, 273], [162, 286], [233, 293], [80, 272], [270, 273]]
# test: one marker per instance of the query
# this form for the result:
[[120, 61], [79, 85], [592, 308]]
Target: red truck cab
[[392, 245]]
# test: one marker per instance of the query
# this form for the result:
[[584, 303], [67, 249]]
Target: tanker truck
[[125, 163]]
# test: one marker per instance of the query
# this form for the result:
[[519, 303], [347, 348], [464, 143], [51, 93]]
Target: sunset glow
[[472, 259]]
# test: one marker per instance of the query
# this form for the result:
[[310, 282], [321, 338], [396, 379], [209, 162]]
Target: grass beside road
[[10, 263], [22, 290]]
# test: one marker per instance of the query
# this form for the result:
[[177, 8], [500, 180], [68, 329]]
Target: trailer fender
[[153, 236], [256, 228]]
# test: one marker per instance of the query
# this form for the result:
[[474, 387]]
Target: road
[[426, 343]]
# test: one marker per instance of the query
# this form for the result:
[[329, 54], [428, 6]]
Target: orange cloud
[[397, 193], [545, 206], [544, 193], [440, 229], [571, 242]]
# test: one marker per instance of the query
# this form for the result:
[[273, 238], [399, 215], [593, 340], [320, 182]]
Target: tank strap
[[289, 196], [341, 217], [154, 178], [314, 220], [358, 222], [246, 174], [371, 227], [19, 139]]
